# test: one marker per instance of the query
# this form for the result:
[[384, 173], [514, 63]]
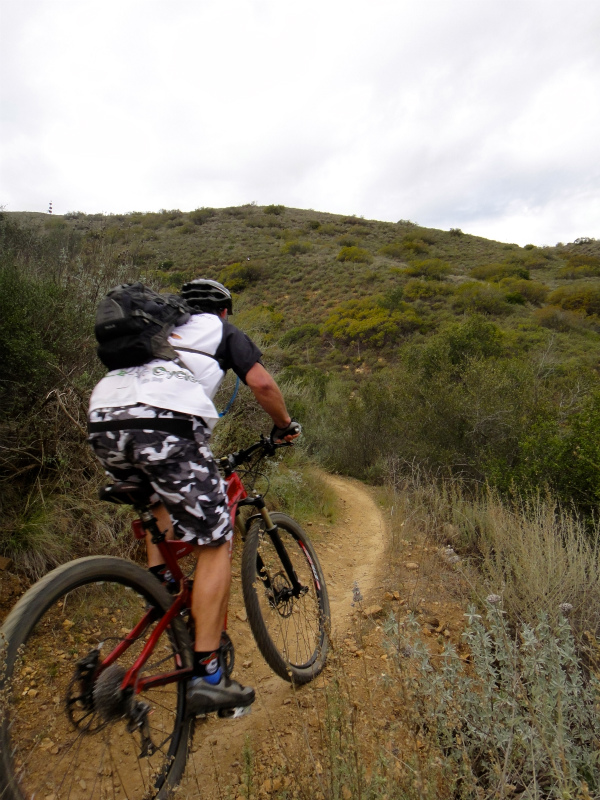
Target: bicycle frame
[[172, 551]]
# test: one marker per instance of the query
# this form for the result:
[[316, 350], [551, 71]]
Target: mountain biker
[[153, 422]]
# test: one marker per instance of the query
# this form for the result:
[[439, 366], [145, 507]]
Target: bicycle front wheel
[[290, 624], [67, 730]]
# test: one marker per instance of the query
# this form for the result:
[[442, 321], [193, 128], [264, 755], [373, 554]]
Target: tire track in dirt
[[351, 550]]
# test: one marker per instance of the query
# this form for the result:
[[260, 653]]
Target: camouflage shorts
[[182, 471]]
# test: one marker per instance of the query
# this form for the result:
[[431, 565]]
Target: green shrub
[[558, 320], [529, 291], [260, 319], [414, 246], [416, 289], [496, 272], [261, 222], [394, 299], [314, 224], [424, 235], [237, 277], [202, 215], [348, 241], [433, 269], [393, 250], [533, 259], [42, 328], [572, 273], [584, 297], [300, 335], [357, 254], [480, 298], [371, 322], [456, 232], [329, 229], [475, 338], [274, 209], [294, 248]]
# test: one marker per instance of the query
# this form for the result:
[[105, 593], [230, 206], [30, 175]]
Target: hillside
[[460, 377], [300, 266], [397, 346]]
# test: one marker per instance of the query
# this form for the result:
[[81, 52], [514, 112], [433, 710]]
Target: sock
[[207, 665], [161, 572]]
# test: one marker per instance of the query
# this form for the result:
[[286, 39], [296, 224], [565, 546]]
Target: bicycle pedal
[[234, 713]]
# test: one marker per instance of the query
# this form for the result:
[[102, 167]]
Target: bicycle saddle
[[127, 493]]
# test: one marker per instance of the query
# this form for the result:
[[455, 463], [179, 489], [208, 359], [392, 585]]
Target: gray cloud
[[482, 116]]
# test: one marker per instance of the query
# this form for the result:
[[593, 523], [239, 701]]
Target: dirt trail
[[349, 551]]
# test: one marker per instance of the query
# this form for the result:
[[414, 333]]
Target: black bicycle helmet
[[206, 295]]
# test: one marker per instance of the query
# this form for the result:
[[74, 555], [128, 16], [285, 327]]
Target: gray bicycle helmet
[[203, 294]]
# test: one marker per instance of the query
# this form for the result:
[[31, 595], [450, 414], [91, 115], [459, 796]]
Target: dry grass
[[533, 553]]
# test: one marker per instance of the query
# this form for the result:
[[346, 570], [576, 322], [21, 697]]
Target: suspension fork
[[273, 533]]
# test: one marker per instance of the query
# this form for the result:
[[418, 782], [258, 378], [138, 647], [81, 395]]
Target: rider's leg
[[210, 595], [211, 689]]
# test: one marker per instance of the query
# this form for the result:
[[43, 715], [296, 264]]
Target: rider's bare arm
[[268, 395]]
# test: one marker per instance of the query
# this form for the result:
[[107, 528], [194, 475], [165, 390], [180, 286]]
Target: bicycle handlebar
[[229, 462]]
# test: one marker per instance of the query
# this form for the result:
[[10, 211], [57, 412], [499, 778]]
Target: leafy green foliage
[[528, 291], [370, 322], [202, 215], [558, 320], [240, 275], [583, 297], [356, 254], [580, 265], [474, 297], [496, 272], [300, 334], [427, 290], [260, 319], [432, 269], [294, 248], [276, 210], [393, 250]]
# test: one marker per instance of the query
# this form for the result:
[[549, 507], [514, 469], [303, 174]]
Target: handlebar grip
[[293, 429]]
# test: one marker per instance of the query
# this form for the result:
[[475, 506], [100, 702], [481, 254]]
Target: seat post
[[150, 524]]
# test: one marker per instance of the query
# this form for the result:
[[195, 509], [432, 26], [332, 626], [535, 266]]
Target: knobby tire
[[54, 740], [291, 632]]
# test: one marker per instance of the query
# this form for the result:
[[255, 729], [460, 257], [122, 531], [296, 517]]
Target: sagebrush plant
[[533, 552], [516, 715]]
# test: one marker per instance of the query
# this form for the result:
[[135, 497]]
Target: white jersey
[[208, 346]]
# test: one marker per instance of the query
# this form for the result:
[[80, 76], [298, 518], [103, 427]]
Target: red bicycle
[[95, 657]]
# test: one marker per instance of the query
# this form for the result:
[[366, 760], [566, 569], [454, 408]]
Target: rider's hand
[[287, 434]]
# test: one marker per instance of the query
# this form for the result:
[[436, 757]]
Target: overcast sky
[[477, 114]]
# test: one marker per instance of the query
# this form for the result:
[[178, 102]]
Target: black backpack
[[133, 324]]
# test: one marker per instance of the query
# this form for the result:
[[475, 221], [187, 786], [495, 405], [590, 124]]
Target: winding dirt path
[[350, 551]]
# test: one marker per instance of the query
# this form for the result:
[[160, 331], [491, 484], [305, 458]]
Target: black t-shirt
[[237, 351]]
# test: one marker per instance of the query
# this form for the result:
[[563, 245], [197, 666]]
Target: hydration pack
[[133, 324]]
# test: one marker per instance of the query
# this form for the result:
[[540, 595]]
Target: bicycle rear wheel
[[290, 628], [67, 732]]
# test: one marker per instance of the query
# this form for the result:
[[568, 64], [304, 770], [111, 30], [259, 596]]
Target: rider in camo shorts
[[182, 471], [153, 423]]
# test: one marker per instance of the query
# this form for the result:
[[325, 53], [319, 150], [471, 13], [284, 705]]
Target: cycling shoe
[[227, 695]]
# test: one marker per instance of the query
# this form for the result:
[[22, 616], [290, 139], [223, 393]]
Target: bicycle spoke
[[69, 724]]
